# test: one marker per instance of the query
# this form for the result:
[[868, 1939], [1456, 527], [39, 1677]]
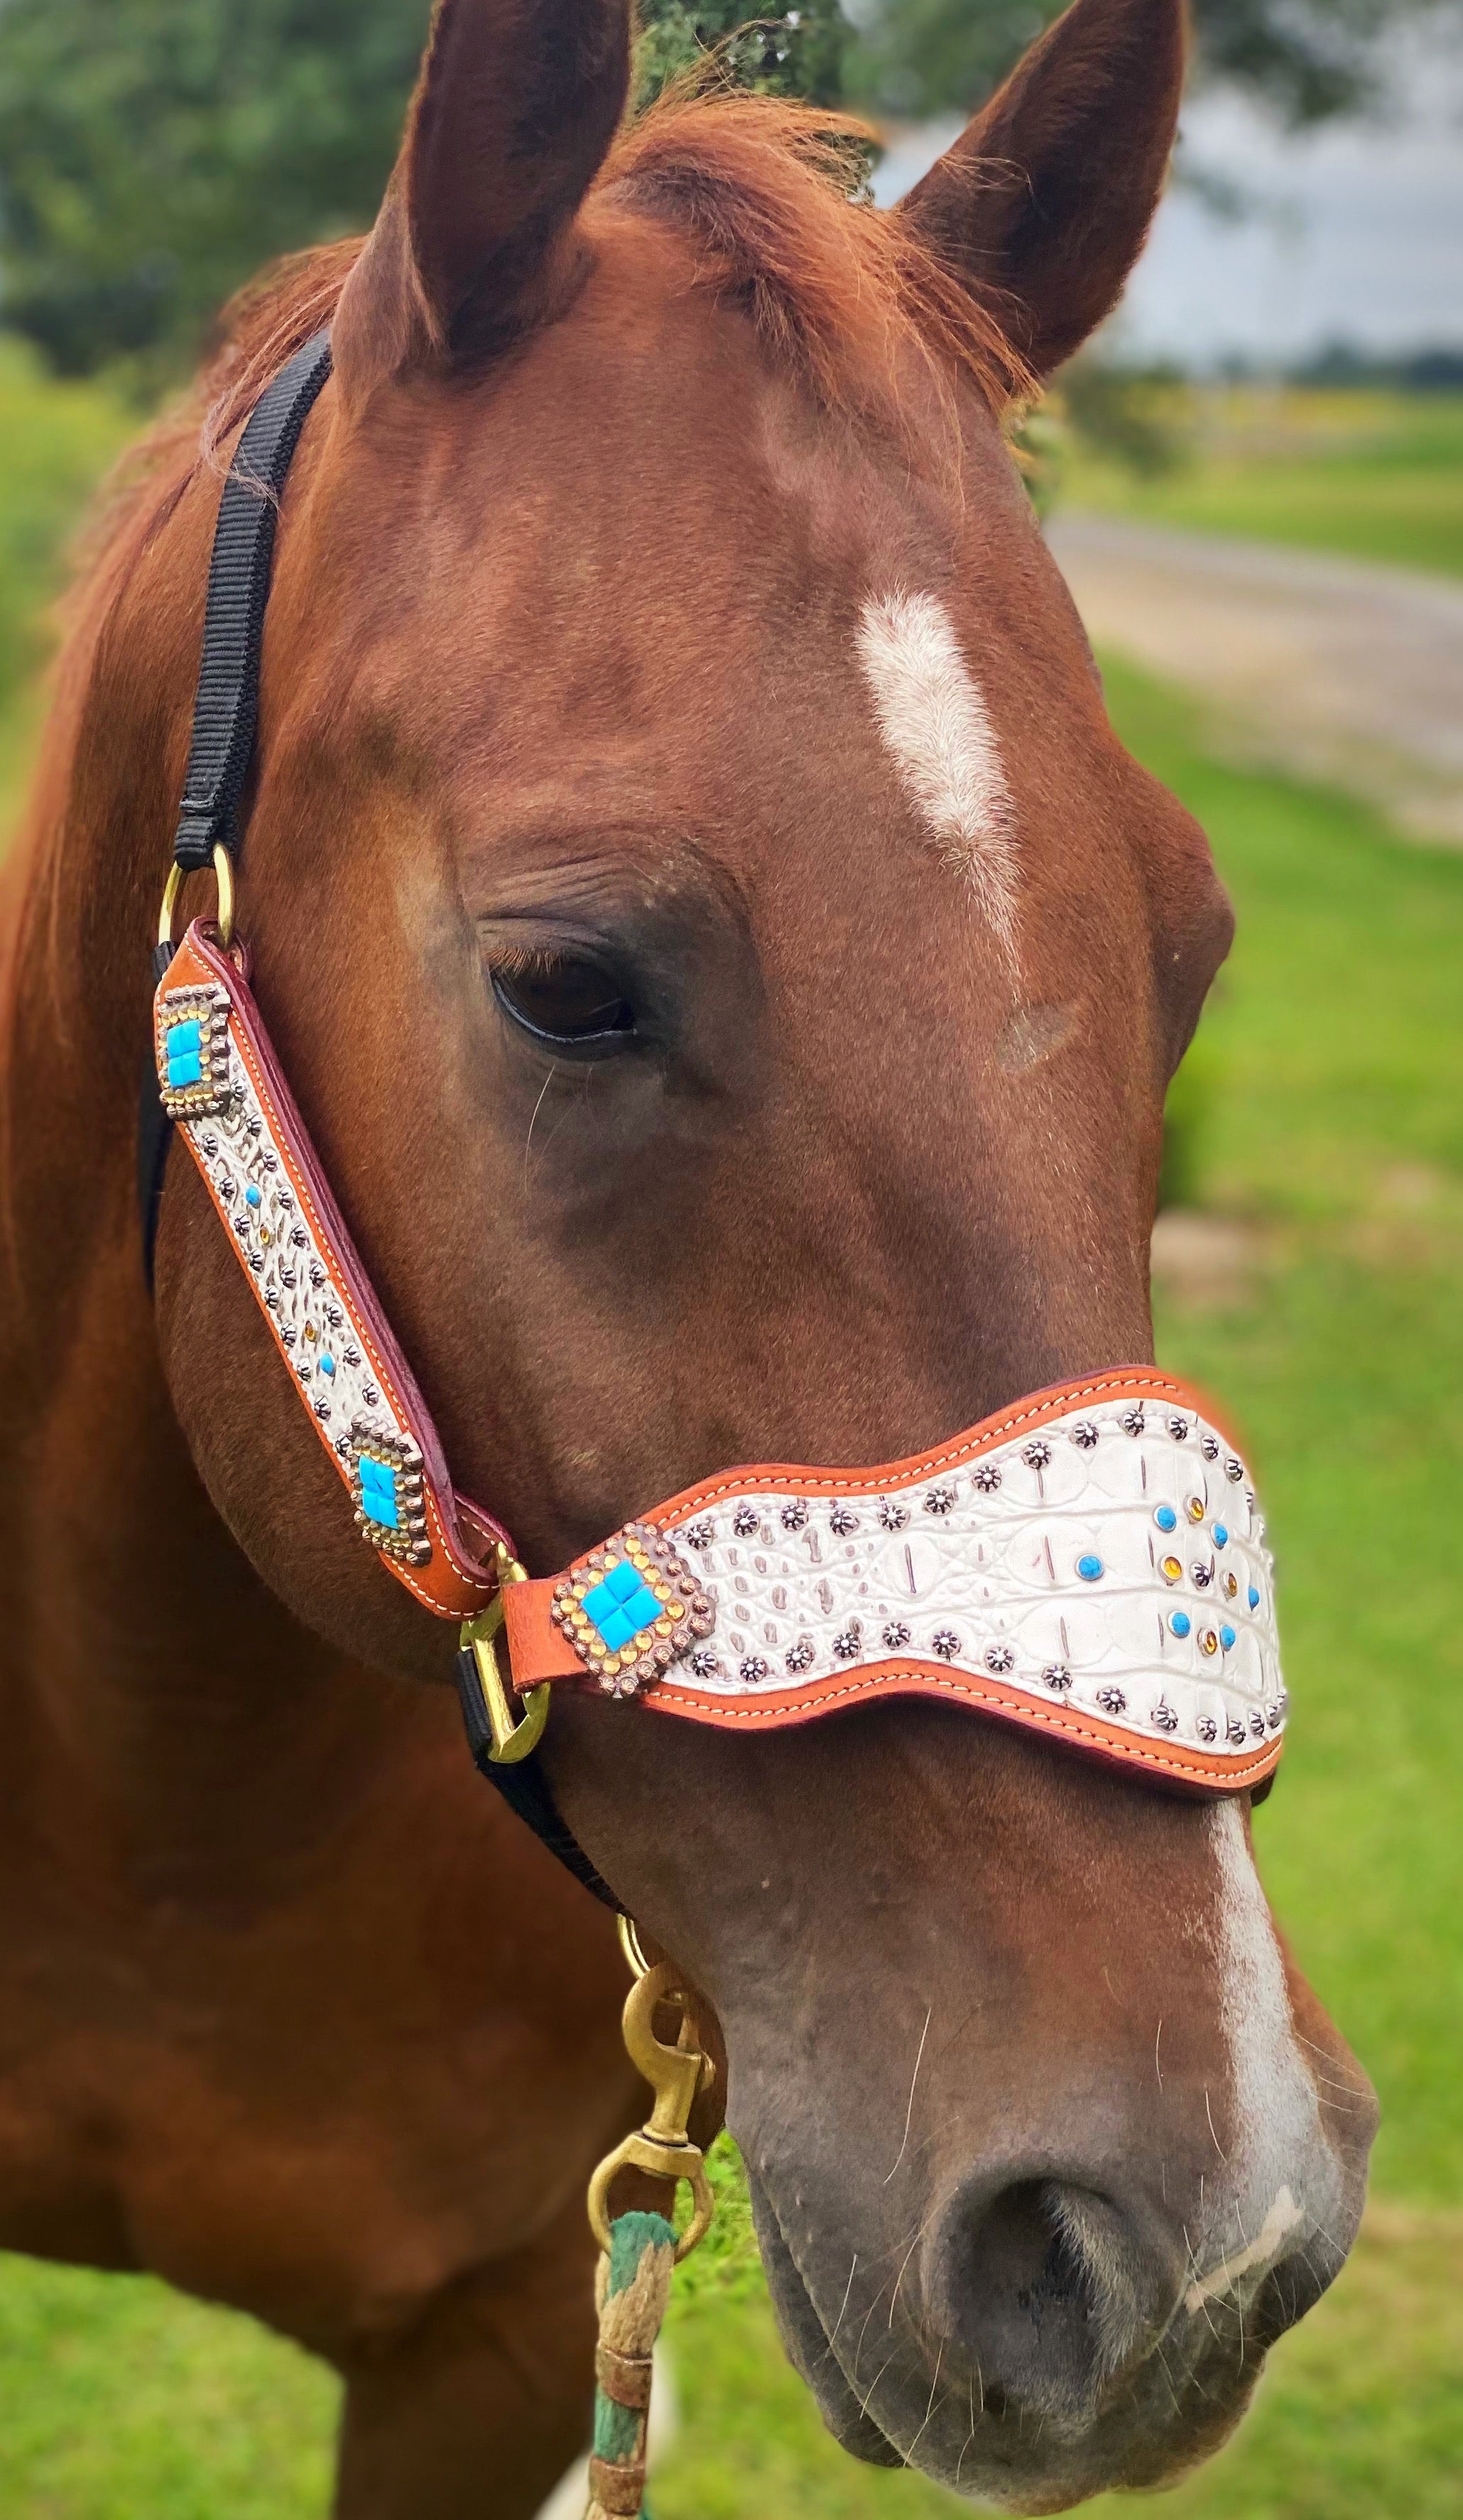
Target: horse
[[732, 972]]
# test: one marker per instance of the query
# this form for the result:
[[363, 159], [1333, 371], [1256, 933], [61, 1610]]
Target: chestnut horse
[[732, 972]]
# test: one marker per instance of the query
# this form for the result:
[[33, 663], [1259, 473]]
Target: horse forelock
[[840, 292]]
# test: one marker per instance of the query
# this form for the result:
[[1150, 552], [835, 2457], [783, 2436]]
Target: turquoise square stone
[[378, 1493], [642, 1609], [185, 1036], [601, 1605], [185, 1068], [621, 1604]]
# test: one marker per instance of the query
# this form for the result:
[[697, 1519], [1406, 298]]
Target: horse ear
[[1047, 197], [515, 109]]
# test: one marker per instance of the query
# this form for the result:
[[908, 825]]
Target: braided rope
[[631, 2292]]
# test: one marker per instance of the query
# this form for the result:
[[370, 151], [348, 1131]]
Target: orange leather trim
[[536, 1648], [773, 1709]]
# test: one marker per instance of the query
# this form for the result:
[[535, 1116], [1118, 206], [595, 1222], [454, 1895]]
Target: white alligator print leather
[[240, 1158], [1112, 1563], [226, 1097]]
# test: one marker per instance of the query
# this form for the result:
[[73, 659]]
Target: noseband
[[1088, 1564]]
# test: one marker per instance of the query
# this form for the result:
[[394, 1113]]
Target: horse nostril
[[1048, 2288]]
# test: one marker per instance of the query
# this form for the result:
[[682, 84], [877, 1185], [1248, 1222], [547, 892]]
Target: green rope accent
[[630, 2236], [616, 2430], [633, 2288]]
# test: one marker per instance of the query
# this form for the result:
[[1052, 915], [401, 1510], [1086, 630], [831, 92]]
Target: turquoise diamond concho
[[385, 1478], [631, 1608], [193, 1055]]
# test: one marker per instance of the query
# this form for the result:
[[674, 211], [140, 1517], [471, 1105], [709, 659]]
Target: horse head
[[733, 973]]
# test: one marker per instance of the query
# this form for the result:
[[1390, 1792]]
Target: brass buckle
[[223, 872], [514, 1738], [662, 2146]]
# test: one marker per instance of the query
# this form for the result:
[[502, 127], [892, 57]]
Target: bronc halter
[[1088, 1564]]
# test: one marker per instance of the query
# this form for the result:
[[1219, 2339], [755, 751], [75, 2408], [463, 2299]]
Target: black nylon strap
[[524, 1787], [226, 711]]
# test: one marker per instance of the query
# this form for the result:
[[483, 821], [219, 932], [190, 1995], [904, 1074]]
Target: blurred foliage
[[1378, 474], [797, 54], [153, 153], [1137, 420], [1141, 418], [1309, 58], [1186, 1115], [56, 442]]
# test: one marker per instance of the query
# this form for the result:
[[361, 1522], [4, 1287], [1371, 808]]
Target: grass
[[1324, 1110], [119, 2400], [1377, 476], [56, 442]]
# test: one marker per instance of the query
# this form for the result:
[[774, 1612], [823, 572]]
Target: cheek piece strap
[[1089, 1564]]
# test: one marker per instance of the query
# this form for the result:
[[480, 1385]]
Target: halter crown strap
[[226, 710]]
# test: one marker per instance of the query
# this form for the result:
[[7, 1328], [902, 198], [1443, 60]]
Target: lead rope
[[639, 2251]]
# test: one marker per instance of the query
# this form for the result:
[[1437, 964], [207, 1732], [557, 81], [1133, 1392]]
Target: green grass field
[[1374, 475], [1323, 1115], [56, 441]]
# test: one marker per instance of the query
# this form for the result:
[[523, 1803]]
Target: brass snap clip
[[515, 1737], [662, 2146], [223, 872]]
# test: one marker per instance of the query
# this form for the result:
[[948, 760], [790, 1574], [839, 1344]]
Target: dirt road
[[1329, 667]]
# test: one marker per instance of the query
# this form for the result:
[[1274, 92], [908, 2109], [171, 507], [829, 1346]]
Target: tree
[[153, 153]]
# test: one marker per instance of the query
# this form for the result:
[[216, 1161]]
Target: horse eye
[[565, 1000]]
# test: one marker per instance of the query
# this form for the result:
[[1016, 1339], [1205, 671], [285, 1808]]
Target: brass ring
[[223, 873], [703, 2202], [515, 1737]]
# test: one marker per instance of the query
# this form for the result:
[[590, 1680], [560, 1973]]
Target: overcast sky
[[1354, 232]]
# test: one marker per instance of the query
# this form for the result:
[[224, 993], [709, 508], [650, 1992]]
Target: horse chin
[[1171, 2415], [807, 2343]]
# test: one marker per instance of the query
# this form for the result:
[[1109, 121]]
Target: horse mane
[[850, 298]]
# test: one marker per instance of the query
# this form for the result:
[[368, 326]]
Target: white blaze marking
[[933, 716], [1263, 2249], [1280, 2168]]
